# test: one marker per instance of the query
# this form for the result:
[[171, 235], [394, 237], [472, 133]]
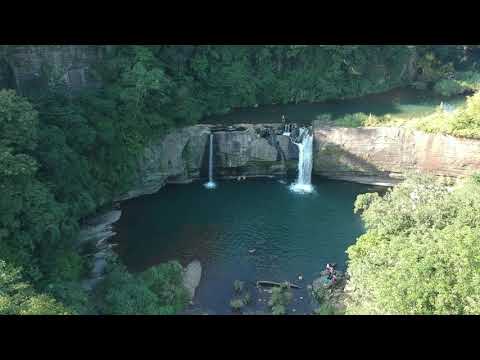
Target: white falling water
[[305, 147], [211, 184]]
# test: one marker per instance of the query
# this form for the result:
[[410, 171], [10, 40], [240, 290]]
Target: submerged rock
[[192, 276]]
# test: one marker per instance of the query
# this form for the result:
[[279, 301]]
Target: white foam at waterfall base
[[305, 146], [210, 184]]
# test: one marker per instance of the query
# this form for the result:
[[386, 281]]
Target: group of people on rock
[[331, 272]]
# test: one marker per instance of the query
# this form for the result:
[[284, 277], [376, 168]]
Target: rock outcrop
[[174, 158], [383, 155], [94, 234], [191, 277], [252, 152], [98, 229], [28, 68]]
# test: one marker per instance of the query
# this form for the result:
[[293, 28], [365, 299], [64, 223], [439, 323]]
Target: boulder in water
[[192, 276]]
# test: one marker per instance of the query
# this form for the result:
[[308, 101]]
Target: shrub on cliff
[[420, 252], [462, 122], [449, 87]]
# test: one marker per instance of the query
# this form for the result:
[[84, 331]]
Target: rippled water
[[292, 234]]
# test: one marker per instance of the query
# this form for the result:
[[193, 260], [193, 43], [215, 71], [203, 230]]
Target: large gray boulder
[[191, 277], [176, 157]]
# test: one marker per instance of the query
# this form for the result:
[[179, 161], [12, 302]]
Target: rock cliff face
[[379, 156], [27, 67], [252, 151], [177, 157], [182, 156], [384, 155]]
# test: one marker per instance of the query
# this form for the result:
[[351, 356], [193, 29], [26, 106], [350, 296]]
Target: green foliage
[[279, 309], [280, 299], [237, 304], [463, 82], [18, 122], [326, 309], [420, 253], [449, 87], [247, 298], [165, 280], [238, 286], [462, 122], [157, 291], [63, 157], [320, 294], [31, 221], [352, 120], [19, 298]]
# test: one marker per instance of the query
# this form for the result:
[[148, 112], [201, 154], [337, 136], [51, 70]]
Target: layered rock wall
[[384, 155]]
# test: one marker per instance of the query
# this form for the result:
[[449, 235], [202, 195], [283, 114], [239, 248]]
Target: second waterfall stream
[[211, 184]]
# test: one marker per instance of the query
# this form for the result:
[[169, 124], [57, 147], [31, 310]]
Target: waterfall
[[305, 147], [211, 184]]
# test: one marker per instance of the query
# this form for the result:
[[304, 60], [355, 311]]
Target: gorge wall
[[29, 68], [381, 156], [384, 155]]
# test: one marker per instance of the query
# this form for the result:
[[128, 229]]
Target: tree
[[18, 297], [420, 253], [157, 291]]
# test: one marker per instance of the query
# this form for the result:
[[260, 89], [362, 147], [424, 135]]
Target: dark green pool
[[292, 234]]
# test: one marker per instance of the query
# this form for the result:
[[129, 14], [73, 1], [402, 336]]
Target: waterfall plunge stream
[[211, 184], [305, 147]]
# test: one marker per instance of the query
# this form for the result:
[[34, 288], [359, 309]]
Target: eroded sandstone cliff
[[384, 155]]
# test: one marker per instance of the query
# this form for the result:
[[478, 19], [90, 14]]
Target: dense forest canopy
[[63, 155]]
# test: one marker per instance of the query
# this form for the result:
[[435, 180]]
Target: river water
[[292, 234], [401, 102]]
